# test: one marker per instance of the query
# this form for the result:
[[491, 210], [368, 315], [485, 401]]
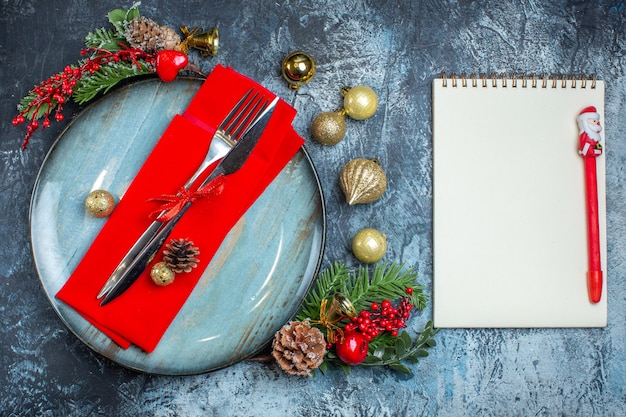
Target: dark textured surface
[[396, 47]]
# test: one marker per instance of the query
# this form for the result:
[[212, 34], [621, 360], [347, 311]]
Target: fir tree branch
[[104, 39], [329, 282], [388, 281], [105, 78]]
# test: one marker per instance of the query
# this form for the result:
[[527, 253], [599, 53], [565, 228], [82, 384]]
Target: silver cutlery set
[[232, 143]]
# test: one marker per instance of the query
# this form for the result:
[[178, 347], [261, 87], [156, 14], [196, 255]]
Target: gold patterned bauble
[[359, 102], [162, 274], [99, 203], [298, 68], [362, 181], [369, 245], [329, 128]]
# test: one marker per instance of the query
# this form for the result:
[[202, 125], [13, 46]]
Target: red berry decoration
[[383, 317], [352, 349], [55, 91], [168, 63]]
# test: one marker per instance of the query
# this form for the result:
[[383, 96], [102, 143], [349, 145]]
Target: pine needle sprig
[[105, 39], [387, 282], [328, 282], [111, 60], [91, 84], [53, 92], [110, 39]]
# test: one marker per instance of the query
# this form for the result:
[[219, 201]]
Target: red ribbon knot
[[172, 204]]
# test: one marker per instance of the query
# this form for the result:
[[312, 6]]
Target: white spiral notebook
[[510, 238]]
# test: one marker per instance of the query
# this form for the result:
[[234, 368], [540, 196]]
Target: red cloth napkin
[[143, 313]]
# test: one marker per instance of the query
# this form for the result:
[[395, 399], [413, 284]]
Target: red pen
[[589, 148]]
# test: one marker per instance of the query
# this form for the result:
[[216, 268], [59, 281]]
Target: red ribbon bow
[[174, 203]]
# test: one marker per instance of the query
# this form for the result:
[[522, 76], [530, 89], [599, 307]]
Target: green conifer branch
[[101, 81], [104, 39], [387, 281]]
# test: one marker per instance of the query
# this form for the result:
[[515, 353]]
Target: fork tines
[[251, 104]]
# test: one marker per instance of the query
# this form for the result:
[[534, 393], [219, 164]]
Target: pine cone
[[146, 34], [299, 348], [180, 255]]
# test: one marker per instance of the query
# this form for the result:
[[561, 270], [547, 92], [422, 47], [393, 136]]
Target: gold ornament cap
[[99, 203], [369, 245], [362, 181], [360, 102], [298, 68]]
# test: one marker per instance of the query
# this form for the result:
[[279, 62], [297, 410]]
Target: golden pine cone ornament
[[144, 33], [362, 181], [299, 348], [180, 255]]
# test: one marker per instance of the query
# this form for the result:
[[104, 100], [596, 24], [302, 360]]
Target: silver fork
[[229, 131], [234, 125]]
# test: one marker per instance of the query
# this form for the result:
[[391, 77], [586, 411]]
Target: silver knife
[[219, 147], [234, 160]]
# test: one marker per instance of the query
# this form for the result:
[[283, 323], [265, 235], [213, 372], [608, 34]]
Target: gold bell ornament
[[298, 68], [206, 42], [99, 203], [369, 245], [332, 311], [359, 103], [362, 181]]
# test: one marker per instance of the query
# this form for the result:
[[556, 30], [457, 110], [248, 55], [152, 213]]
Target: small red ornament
[[168, 63], [352, 349]]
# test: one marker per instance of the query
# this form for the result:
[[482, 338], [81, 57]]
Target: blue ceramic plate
[[258, 277]]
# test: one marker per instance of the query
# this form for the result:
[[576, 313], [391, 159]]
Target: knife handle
[[140, 263]]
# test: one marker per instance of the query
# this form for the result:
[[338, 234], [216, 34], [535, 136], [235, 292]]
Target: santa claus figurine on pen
[[589, 125], [589, 148]]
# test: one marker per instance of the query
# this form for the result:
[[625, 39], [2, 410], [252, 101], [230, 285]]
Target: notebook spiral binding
[[523, 81]]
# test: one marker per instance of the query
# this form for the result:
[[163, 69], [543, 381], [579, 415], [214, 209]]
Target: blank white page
[[509, 206]]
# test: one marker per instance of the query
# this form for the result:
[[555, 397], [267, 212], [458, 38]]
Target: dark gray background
[[396, 47]]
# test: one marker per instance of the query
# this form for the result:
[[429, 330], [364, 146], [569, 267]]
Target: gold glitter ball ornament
[[359, 102], [329, 128], [99, 203], [162, 274], [362, 181], [298, 68], [369, 245]]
